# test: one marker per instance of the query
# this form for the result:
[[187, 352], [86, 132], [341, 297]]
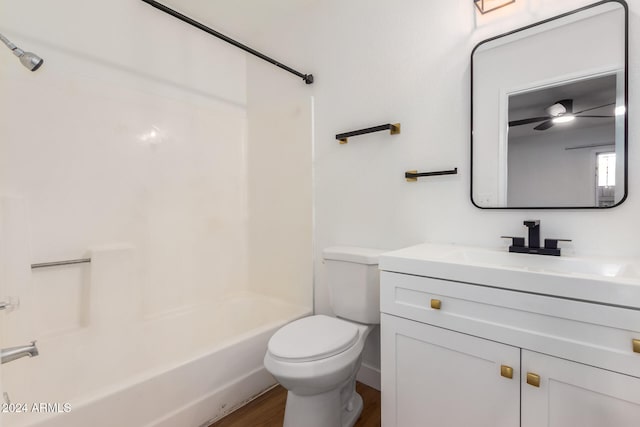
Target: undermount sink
[[613, 281]]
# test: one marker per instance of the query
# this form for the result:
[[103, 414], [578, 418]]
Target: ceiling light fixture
[[485, 6]]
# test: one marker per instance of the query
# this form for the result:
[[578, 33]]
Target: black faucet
[[550, 245], [534, 232]]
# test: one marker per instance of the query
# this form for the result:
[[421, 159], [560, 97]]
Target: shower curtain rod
[[308, 78]]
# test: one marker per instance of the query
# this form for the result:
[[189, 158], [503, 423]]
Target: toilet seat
[[312, 338]]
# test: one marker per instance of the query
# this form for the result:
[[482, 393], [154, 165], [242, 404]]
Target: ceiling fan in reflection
[[559, 112]]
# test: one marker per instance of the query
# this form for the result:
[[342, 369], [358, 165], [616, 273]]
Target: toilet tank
[[353, 279]]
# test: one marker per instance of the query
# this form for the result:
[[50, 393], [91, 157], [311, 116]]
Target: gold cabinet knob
[[636, 346], [436, 304], [506, 371], [533, 379]]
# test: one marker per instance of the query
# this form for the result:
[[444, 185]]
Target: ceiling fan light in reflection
[[558, 108], [563, 119]]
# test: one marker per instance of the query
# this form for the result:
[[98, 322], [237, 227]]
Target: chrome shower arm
[[8, 42], [15, 49]]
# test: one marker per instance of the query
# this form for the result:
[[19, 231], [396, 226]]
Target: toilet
[[316, 358]]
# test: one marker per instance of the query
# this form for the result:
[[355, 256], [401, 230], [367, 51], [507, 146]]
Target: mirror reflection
[[549, 119], [561, 146]]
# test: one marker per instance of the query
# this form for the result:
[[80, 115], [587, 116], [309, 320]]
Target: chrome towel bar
[[57, 263]]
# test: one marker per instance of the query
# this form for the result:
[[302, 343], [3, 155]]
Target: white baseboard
[[369, 375]]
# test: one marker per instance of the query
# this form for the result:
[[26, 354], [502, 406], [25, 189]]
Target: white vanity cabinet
[[574, 394], [461, 354], [436, 377]]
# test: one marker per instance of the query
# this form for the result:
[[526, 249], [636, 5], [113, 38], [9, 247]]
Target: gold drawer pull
[[506, 371], [636, 346], [533, 379], [436, 304]]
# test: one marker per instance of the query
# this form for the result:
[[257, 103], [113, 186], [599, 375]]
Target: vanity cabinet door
[[571, 394], [436, 377]]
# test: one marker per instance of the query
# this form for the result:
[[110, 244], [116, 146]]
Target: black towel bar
[[412, 176], [394, 129]]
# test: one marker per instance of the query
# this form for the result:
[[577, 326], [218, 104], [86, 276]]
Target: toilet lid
[[313, 338]]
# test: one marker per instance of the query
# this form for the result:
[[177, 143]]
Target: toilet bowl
[[316, 358]]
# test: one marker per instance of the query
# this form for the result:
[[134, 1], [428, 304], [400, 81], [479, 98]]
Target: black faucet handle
[[515, 241], [553, 243], [532, 223]]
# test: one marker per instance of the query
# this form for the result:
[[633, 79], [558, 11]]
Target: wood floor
[[268, 410]]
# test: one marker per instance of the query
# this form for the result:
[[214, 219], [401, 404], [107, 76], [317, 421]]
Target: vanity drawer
[[590, 333]]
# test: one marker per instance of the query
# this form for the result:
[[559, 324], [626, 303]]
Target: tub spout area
[[13, 353]]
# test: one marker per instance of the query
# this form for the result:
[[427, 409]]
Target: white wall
[[380, 63], [280, 170]]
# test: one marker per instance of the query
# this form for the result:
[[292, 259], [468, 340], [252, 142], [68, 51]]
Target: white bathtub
[[183, 370]]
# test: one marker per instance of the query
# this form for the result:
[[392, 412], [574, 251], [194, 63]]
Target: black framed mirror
[[548, 113]]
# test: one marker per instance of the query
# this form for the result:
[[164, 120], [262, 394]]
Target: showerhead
[[29, 59]]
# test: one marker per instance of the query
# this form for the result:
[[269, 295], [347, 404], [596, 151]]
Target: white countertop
[[614, 281]]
